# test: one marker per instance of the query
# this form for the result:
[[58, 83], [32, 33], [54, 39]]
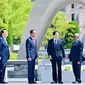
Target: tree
[[66, 29], [48, 36], [58, 22], [13, 16], [68, 39], [58, 19]]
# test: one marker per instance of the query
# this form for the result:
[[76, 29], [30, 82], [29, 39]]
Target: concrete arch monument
[[40, 18]]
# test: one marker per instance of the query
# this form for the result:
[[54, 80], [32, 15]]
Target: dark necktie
[[55, 41]]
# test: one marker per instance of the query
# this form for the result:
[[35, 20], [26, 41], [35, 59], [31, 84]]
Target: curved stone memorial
[[40, 19]]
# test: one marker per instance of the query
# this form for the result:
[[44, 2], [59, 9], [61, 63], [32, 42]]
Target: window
[[72, 6], [73, 17]]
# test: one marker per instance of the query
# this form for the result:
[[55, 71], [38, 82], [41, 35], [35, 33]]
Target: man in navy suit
[[76, 57], [4, 54], [31, 55], [56, 53]]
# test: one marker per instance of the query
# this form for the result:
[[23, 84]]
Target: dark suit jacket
[[31, 49], [4, 51], [76, 51], [59, 47]]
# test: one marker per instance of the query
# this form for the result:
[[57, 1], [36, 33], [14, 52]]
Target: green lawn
[[13, 56]]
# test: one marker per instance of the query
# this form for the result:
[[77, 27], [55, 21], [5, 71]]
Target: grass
[[41, 57], [13, 56]]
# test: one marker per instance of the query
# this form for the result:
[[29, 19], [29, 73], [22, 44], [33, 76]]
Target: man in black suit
[[4, 54], [76, 57], [31, 55], [56, 52]]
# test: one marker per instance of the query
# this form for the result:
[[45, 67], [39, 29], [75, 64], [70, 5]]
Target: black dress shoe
[[30, 82], [34, 82], [60, 82], [76, 82], [79, 81], [54, 82], [2, 82]]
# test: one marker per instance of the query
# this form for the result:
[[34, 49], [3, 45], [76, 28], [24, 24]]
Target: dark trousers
[[31, 70], [2, 71], [56, 76], [76, 70]]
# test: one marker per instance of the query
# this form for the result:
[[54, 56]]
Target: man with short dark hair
[[4, 54], [56, 52], [31, 55]]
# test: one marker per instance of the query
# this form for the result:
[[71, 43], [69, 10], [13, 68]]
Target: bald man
[[76, 57]]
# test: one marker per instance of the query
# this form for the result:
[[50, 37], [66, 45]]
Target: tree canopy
[[13, 16]]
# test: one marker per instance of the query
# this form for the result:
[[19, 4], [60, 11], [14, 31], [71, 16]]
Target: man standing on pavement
[[4, 54], [56, 53], [31, 55]]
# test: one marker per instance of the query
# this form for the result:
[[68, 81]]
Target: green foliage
[[46, 57], [13, 16], [69, 34], [66, 30], [20, 12], [59, 23], [59, 18], [48, 36], [83, 69], [13, 56], [76, 26], [67, 68]]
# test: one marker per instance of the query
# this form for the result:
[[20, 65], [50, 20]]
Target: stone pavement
[[25, 83]]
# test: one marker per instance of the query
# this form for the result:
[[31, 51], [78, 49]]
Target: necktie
[[6, 41], [55, 41], [33, 41]]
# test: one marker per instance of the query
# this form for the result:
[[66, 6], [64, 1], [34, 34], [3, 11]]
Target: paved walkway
[[25, 83]]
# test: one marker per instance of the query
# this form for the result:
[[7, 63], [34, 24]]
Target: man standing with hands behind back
[[31, 55], [56, 52]]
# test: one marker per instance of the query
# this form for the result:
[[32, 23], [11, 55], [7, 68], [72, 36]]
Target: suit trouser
[[31, 70], [2, 71], [77, 70], [57, 61]]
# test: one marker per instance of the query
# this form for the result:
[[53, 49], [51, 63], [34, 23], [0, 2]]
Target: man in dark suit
[[4, 54], [56, 52], [31, 55], [76, 57]]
